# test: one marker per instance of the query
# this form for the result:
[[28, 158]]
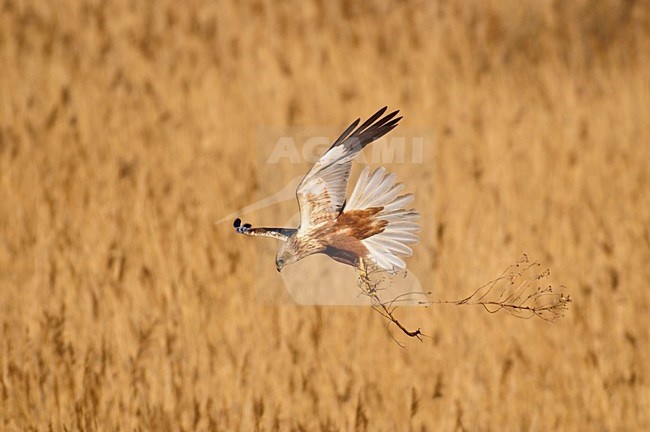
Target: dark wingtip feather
[[394, 121], [346, 133], [376, 130], [373, 128], [237, 223], [371, 120]]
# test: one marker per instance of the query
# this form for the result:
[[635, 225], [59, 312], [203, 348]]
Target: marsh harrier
[[371, 225]]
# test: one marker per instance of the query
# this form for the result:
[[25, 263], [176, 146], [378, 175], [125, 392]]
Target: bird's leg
[[365, 279], [362, 269]]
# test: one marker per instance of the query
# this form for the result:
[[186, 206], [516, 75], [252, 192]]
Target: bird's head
[[279, 263], [287, 254]]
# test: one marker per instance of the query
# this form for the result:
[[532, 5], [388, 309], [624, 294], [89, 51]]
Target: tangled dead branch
[[371, 289], [518, 291]]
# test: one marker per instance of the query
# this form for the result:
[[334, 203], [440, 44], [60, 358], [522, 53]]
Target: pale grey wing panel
[[321, 194]]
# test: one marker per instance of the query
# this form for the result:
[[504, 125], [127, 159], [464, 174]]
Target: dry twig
[[386, 309], [518, 291]]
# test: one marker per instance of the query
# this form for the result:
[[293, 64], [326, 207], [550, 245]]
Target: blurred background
[[126, 131]]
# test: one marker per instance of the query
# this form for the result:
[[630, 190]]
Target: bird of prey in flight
[[371, 227]]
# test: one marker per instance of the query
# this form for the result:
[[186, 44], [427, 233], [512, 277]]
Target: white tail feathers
[[380, 190]]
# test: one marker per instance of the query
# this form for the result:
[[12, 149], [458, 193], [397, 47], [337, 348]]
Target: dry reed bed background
[[126, 130]]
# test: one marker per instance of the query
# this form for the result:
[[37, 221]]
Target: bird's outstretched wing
[[321, 194], [276, 233]]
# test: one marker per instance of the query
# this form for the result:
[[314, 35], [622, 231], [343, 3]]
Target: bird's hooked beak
[[278, 265]]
